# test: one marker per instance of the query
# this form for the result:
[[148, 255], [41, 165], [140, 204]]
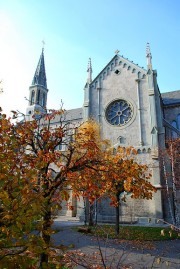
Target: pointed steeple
[[89, 70], [148, 56], [38, 91], [40, 74]]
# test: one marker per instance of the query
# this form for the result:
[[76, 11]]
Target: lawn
[[132, 232]]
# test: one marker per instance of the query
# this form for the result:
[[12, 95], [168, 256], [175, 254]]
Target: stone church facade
[[125, 100]]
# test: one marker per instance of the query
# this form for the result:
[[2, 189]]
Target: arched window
[[178, 122], [43, 100], [174, 134], [32, 97], [38, 97]]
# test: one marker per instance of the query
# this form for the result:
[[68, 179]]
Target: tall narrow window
[[178, 121], [43, 100], [38, 97], [174, 134], [32, 97]]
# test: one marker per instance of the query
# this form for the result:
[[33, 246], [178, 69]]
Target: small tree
[[35, 176], [116, 174], [126, 175]]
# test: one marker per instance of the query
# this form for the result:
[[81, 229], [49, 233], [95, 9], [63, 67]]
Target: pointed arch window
[[43, 100], [38, 97], [174, 134], [178, 121], [32, 97]]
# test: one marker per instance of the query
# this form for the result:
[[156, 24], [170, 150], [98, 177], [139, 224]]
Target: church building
[[126, 101]]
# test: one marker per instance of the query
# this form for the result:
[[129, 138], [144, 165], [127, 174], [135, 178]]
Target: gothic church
[[125, 99]]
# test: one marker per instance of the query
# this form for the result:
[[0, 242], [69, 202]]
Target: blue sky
[[75, 30]]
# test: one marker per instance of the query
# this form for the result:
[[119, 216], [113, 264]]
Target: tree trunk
[[117, 214], [85, 211], [46, 238], [91, 222]]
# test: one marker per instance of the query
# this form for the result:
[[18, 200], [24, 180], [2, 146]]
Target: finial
[[43, 43], [89, 70], [89, 65], [116, 51], [148, 54]]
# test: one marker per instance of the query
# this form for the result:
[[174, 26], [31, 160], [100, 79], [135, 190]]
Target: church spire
[[38, 91], [148, 56], [40, 74], [89, 70]]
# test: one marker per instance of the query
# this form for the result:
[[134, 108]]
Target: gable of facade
[[118, 100]]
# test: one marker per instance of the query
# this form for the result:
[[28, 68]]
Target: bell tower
[[38, 91]]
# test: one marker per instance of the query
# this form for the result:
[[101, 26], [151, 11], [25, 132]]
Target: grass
[[134, 233]]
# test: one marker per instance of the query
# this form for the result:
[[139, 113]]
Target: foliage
[[35, 176], [118, 173], [34, 179], [18, 202]]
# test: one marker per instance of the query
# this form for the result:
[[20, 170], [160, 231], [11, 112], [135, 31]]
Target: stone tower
[[38, 91]]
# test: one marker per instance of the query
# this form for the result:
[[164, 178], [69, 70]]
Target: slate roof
[[74, 114], [70, 115], [171, 98], [40, 74]]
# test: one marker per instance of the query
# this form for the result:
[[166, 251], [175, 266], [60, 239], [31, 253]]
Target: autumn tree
[[20, 206], [126, 176], [88, 182], [118, 173], [35, 176]]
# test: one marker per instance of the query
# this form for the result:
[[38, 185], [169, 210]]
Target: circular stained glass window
[[119, 112]]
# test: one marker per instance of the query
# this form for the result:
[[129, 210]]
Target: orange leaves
[[127, 185], [107, 172], [88, 137], [125, 174], [36, 176]]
